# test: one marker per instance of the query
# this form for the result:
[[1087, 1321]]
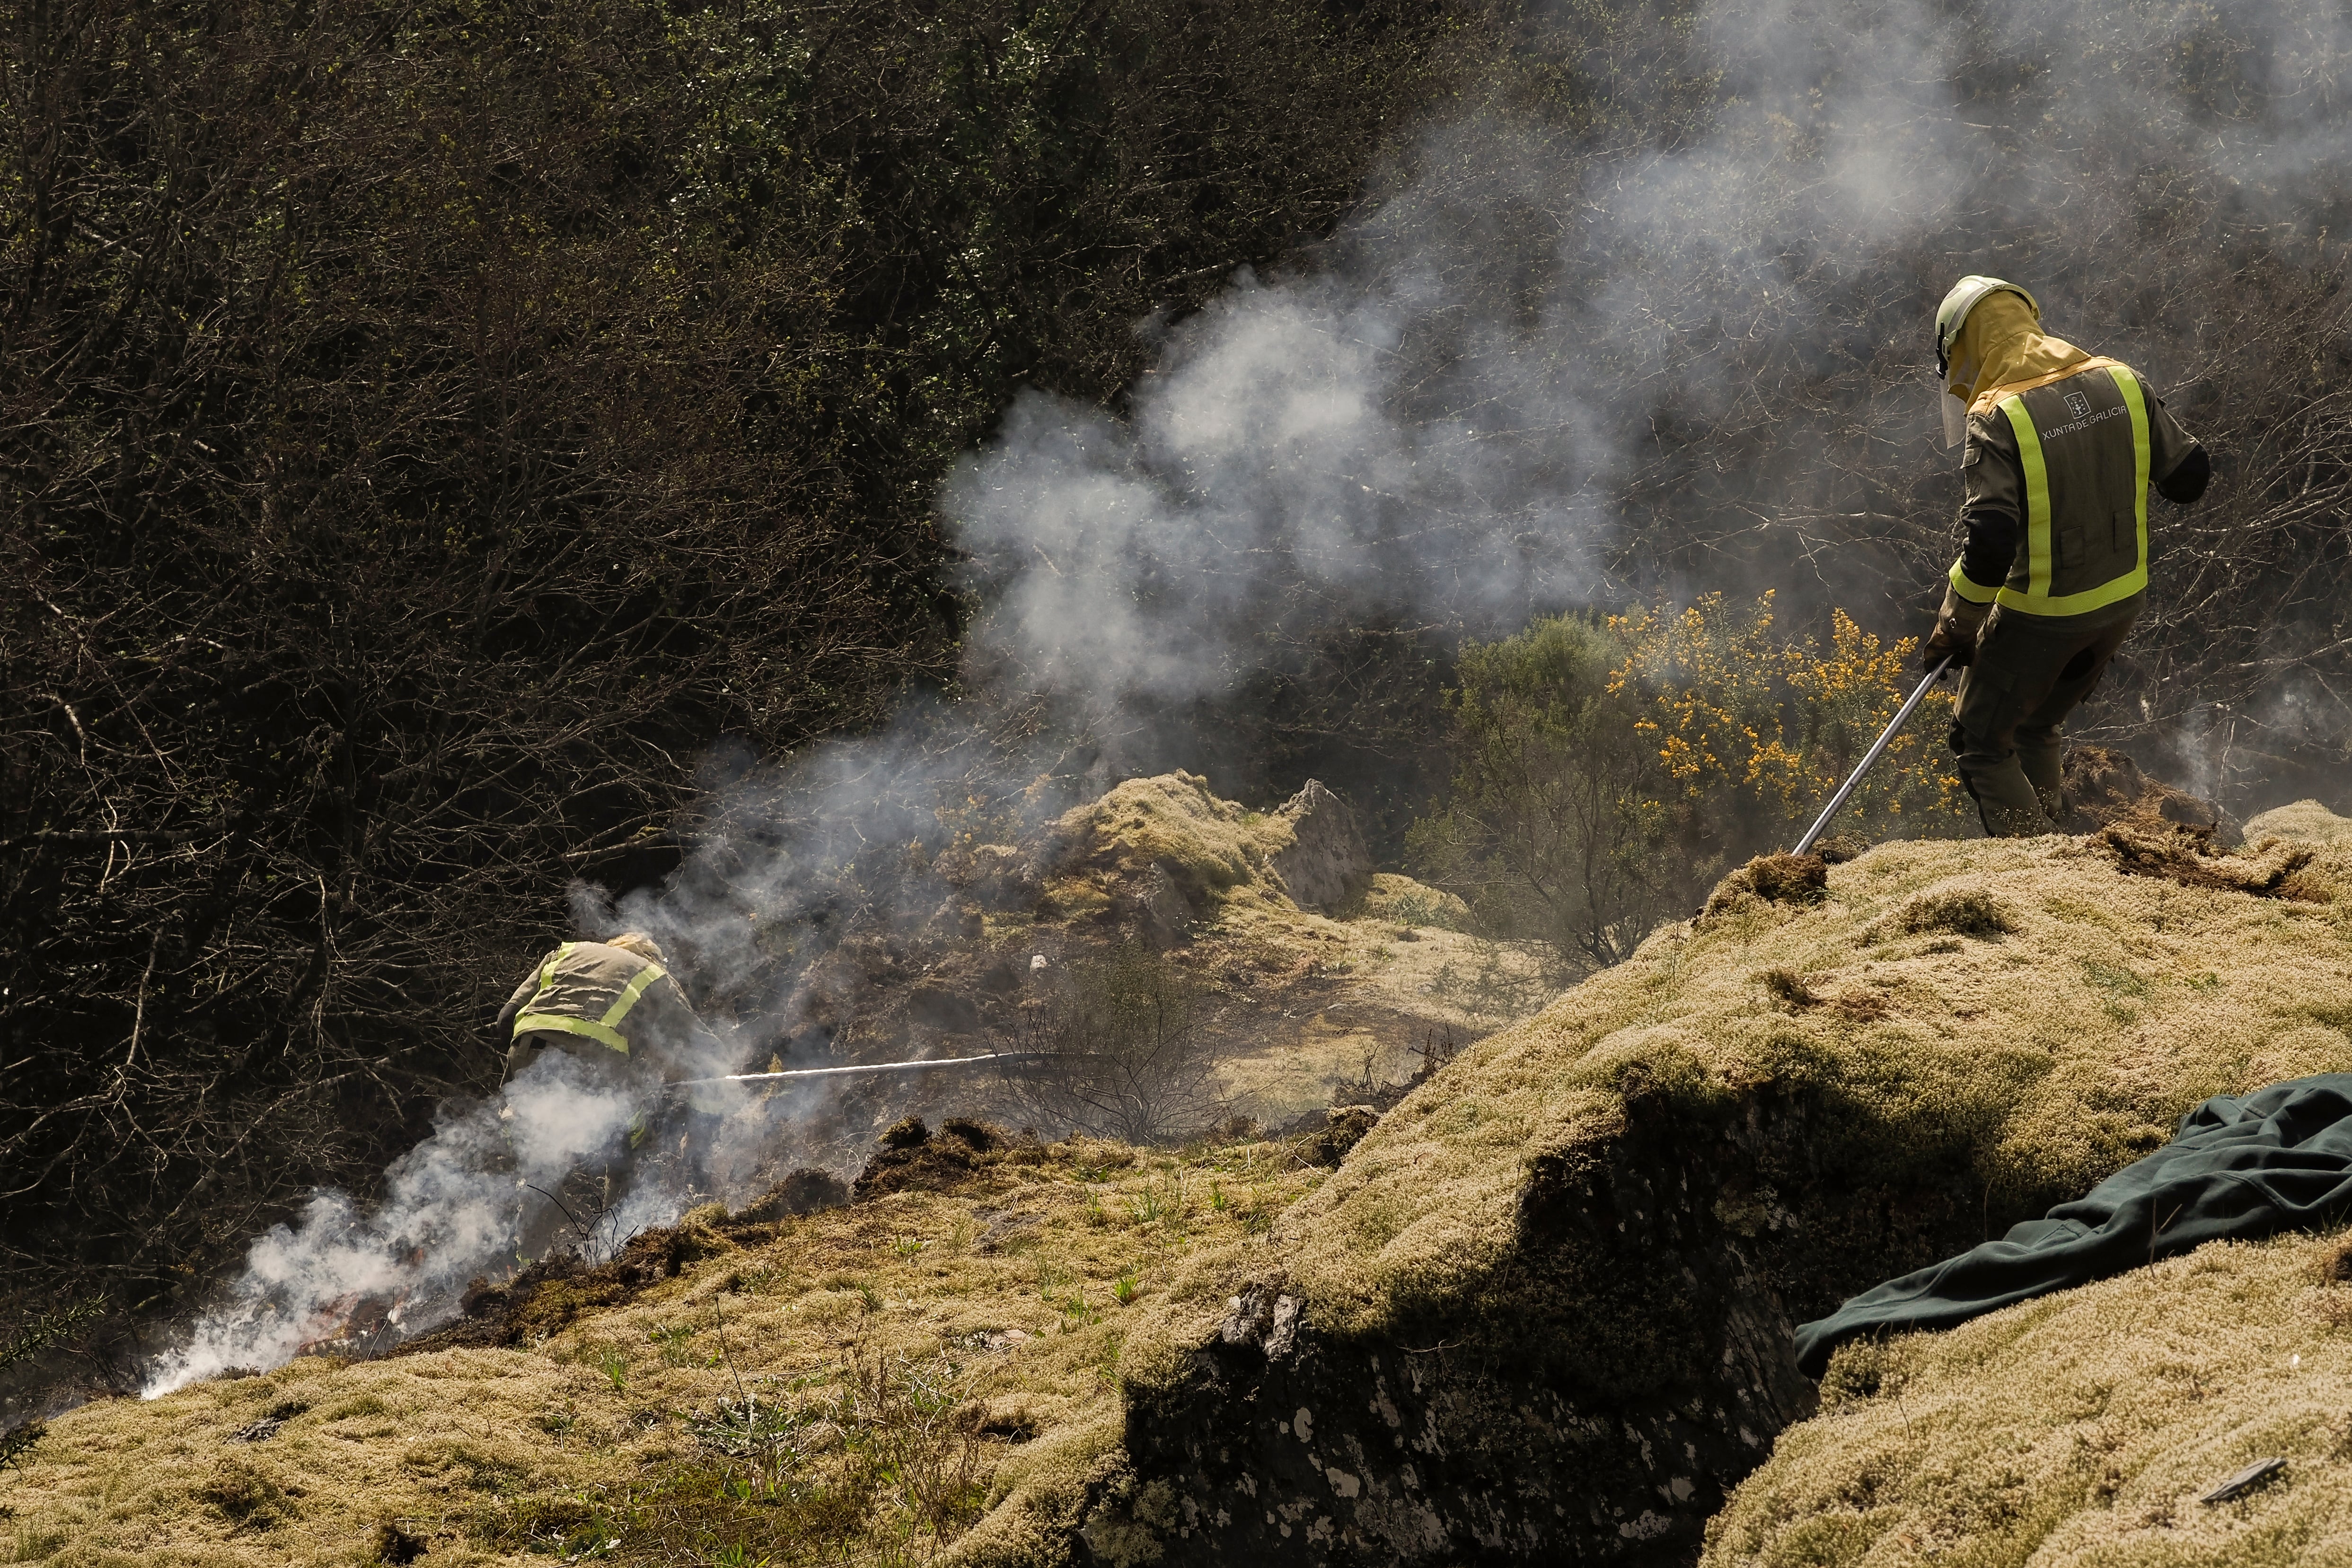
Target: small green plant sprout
[[615, 1366], [1124, 1289], [1075, 1313], [768, 1430], [867, 1297], [738, 1555], [1155, 1200], [1258, 1217], [1218, 1201], [674, 1342], [1094, 1211], [909, 1248], [557, 1424]]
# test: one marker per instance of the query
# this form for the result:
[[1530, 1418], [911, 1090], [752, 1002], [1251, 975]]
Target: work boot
[[2040, 755], [2009, 806]]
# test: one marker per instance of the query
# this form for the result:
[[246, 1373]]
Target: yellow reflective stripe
[[546, 978], [603, 1034], [630, 993], [603, 1031], [2115, 589], [1968, 588], [2137, 400], [2037, 498], [2081, 603]]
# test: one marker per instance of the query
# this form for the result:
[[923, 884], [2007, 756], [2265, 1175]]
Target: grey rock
[[1328, 868]]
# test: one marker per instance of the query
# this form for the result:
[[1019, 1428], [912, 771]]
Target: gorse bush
[[1611, 768], [1780, 724]]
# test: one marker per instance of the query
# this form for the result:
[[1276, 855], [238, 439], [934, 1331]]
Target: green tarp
[[2278, 1159]]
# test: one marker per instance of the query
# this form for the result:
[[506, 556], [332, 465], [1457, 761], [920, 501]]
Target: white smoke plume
[[448, 1213], [1562, 357], [1567, 362]]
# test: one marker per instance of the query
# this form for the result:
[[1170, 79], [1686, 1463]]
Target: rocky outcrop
[[1504, 1439], [1327, 866]]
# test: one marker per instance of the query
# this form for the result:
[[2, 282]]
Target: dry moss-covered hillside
[[842, 1386], [2023, 1009], [2087, 1427], [1541, 1309], [1566, 1271]]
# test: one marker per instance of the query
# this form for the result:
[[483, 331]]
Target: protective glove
[[1957, 626]]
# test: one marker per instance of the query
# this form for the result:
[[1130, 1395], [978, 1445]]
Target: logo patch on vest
[[2078, 405]]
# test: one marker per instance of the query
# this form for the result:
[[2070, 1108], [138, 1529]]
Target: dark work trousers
[[575, 1213], [2030, 673]]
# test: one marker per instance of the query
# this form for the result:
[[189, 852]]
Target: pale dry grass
[[2305, 820], [124, 1482], [1018, 1290], [2080, 1429]]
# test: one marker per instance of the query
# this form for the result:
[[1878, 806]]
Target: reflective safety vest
[[2082, 440], [589, 990]]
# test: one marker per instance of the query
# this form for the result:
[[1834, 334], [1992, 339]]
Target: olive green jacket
[[2057, 473], [590, 995]]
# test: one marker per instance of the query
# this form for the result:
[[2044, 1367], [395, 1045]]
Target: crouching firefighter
[[2060, 447], [614, 1009]]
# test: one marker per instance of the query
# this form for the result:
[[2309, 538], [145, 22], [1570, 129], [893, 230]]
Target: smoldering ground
[[1649, 315], [451, 1209]]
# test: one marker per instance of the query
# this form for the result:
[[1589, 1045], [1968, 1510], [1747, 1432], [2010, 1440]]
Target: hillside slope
[[2087, 1426], [2082, 1428], [1544, 1307], [838, 1385], [1541, 1309]]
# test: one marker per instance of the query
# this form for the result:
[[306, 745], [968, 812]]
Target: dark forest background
[[432, 434], [427, 429]]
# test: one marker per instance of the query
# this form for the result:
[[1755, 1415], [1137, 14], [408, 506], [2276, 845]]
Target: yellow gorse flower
[[1780, 722]]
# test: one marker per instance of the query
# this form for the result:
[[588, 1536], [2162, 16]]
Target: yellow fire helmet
[[1950, 317]]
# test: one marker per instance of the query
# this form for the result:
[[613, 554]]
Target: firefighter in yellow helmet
[[2062, 448], [612, 1007]]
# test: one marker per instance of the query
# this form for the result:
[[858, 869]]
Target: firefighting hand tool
[[1869, 757]]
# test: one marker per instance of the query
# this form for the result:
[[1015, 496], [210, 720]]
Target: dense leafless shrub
[[1117, 1051]]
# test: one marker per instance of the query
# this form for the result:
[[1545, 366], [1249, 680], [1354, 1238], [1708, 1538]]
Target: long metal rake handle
[[1870, 756], [863, 1067]]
